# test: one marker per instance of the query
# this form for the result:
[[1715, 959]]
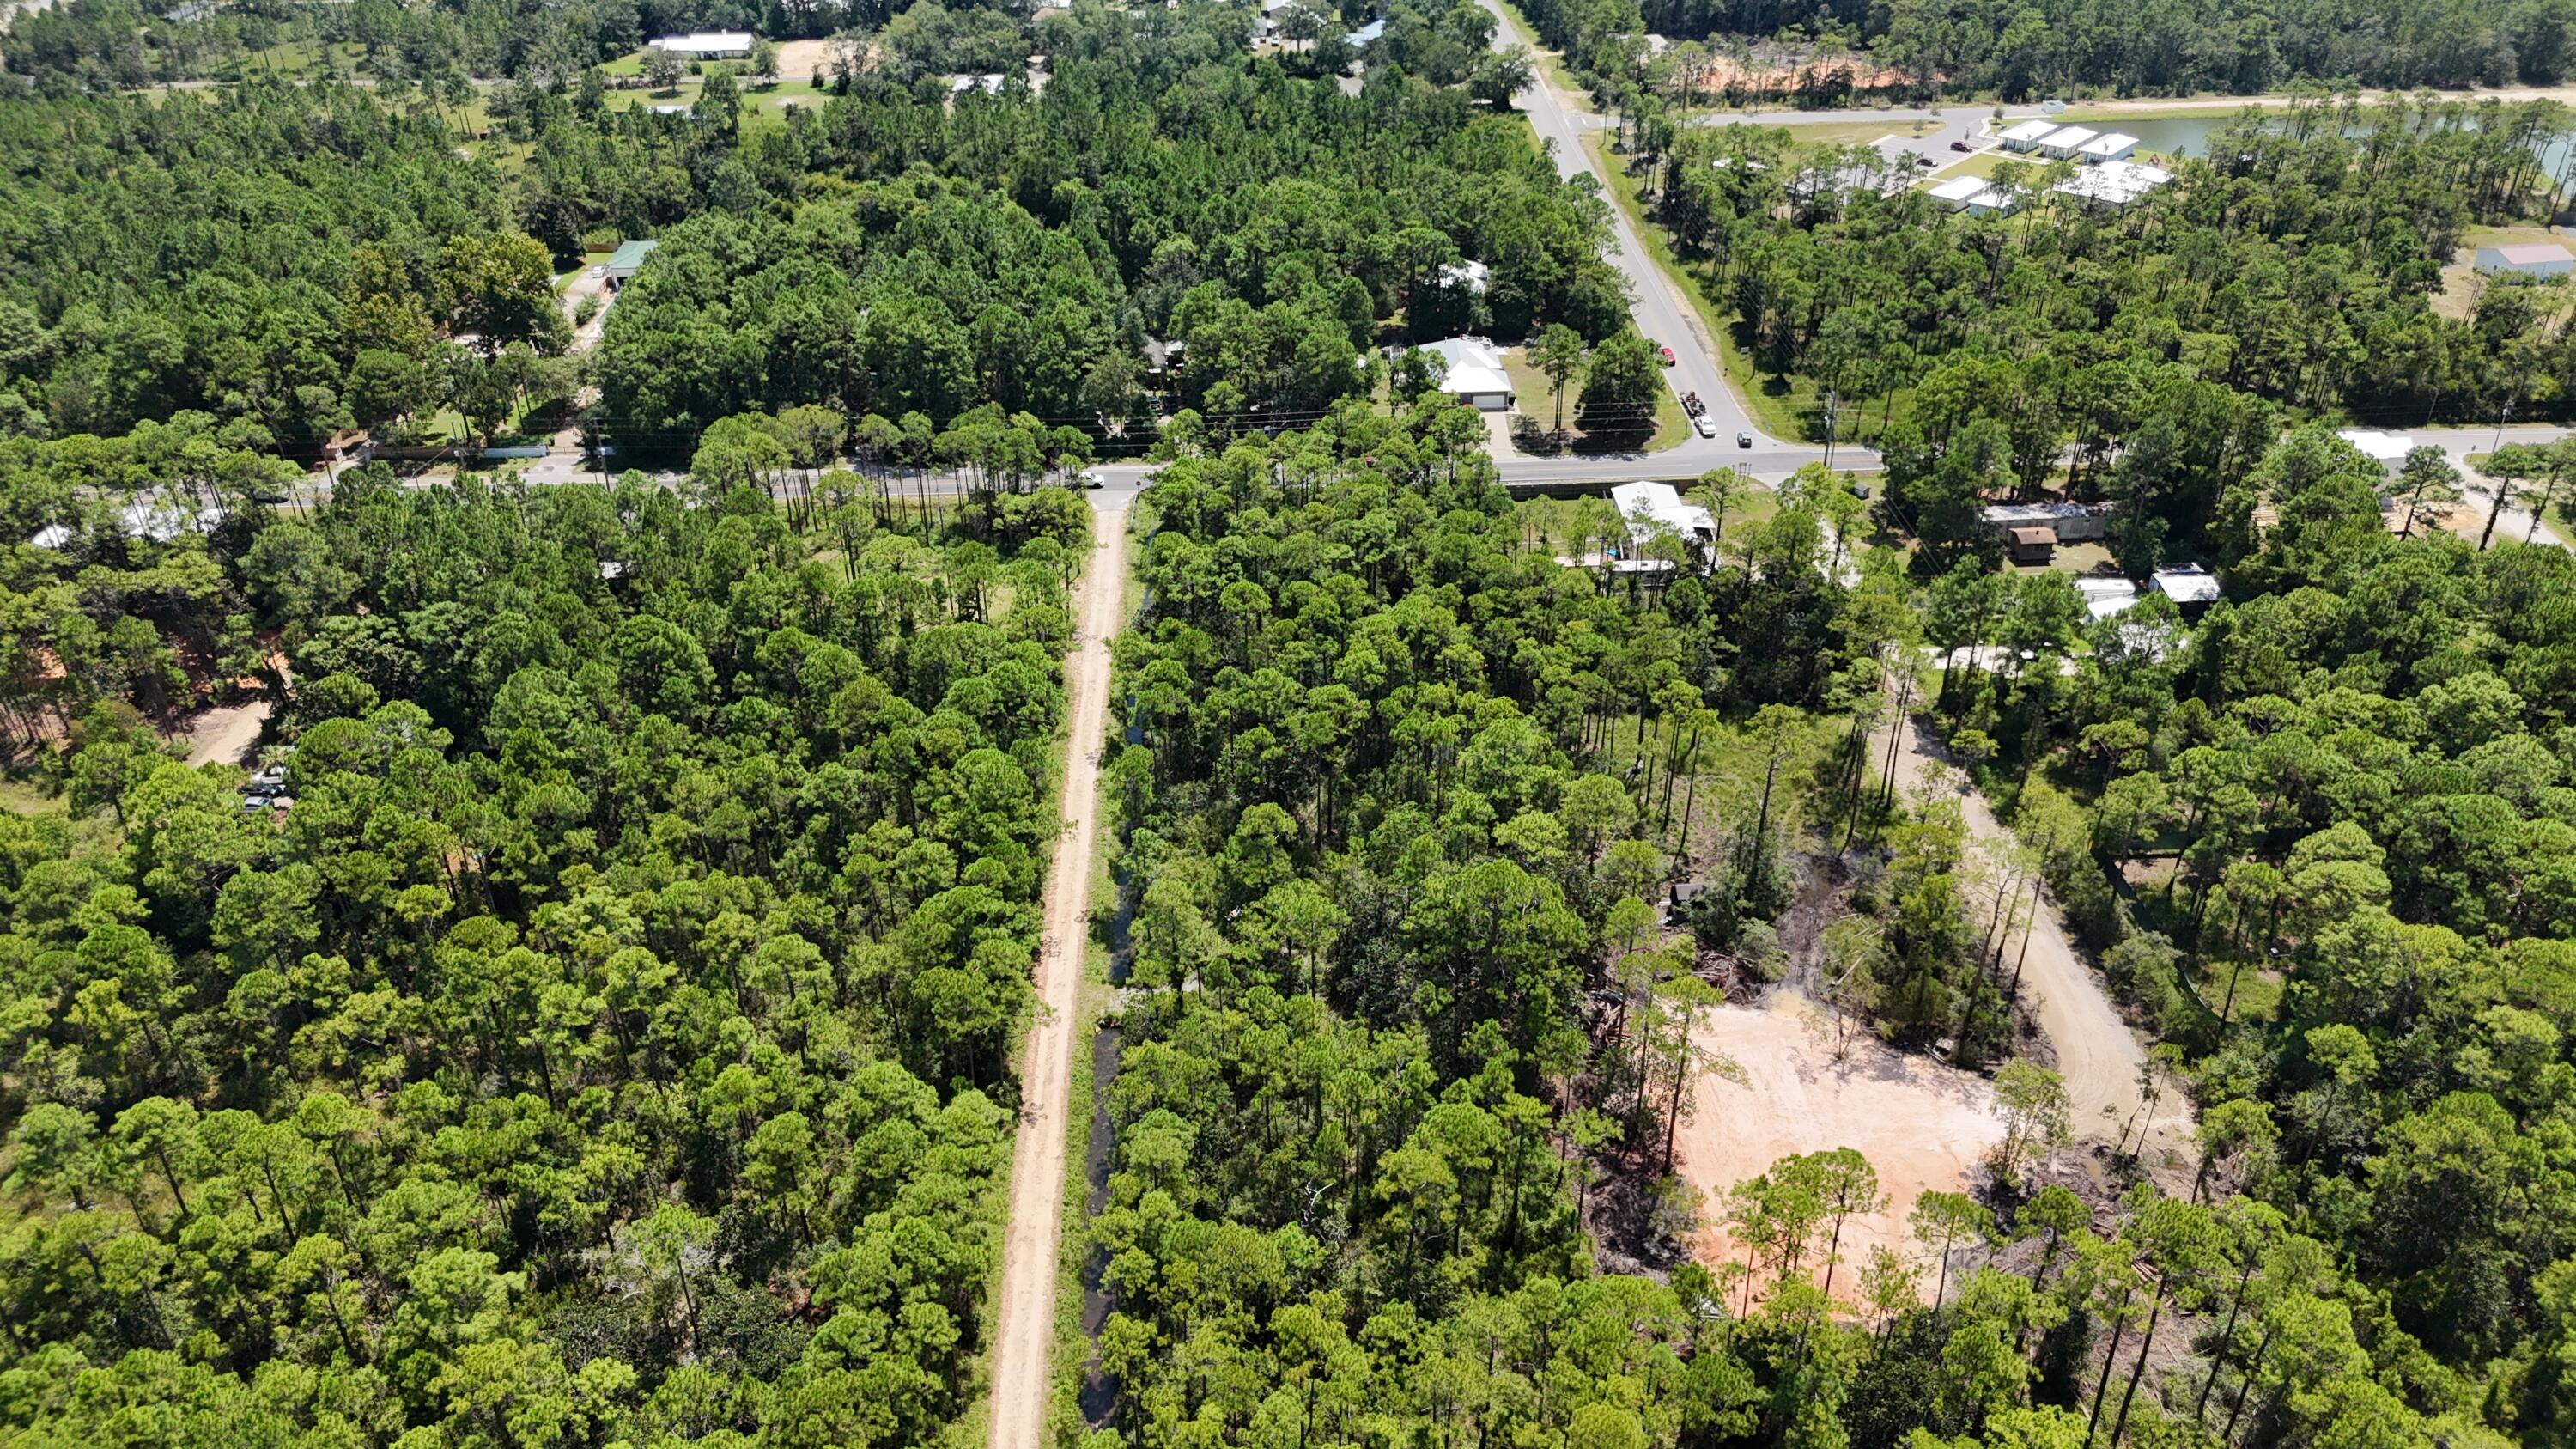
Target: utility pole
[[1829, 427]]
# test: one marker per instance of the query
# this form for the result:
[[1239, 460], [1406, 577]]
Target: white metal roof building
[[705, 44], [2115, 146], [2065, 141], [2114, 183], [2190, 586], [1662, 503], [2026, 135], [1958, 191], [2104, 597], [1993, 201], [1473, 372], [1473, 276], [2388, 450], [2531, 259]]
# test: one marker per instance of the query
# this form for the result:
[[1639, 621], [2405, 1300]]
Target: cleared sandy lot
[[1922, 1125]]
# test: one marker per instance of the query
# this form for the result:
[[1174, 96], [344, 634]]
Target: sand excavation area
[[1924, 1126]]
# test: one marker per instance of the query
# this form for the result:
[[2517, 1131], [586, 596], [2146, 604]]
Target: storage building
[[705, 44], [2529, 259]]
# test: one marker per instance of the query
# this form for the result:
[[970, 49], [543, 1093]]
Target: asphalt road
[[1661, 313]]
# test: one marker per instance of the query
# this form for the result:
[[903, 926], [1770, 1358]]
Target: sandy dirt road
[[2097, 1053], [1922, 1125], [224, 735], [1026, 1308]]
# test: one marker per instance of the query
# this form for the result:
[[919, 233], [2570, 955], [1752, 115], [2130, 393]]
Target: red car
[[1665, 354], [1962, 146]]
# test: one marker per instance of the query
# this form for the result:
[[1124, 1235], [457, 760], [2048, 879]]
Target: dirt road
[[2097, 1053], [1026, 1309], [224, 735]]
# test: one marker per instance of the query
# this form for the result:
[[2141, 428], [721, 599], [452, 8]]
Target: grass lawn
[[1530, 387], [1848, 133], [2168, 111], [1982, 164], [2074, 558], [761, 104]]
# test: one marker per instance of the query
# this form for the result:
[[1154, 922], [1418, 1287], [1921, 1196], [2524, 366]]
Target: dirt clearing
[[802, 60], [1924, 1126], [225, 734], [1026, 1307]]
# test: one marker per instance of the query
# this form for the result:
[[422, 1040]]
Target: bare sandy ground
[[799, 59], [1026, 1308], [224, 735], [1924, 1126]]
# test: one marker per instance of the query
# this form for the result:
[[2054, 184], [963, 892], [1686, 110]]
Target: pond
[[2166, 136]]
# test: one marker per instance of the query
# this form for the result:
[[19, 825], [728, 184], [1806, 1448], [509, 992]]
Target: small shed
[[2027, 135], [2032, 545], [2528, 259], [2192, 587]]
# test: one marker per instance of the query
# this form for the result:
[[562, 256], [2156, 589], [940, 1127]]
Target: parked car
[[1094, 478], [1922, 160], [1744, 440], [1963, 145], [1664, 355], [1707, 425]]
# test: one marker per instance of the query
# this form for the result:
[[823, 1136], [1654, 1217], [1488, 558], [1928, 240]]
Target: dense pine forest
[[1393, 1035], [587, 1013], [608, 1046], [1930, 48]]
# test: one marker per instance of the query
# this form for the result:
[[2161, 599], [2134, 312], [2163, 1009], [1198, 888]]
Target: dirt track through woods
[[2097, 1053], [1026, 1306]]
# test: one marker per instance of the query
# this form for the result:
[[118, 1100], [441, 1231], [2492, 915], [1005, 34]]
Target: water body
[[2170, 136]]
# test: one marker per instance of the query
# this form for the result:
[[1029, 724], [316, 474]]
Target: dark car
[[1922, 160], [1963, 146], [1744, 440]]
